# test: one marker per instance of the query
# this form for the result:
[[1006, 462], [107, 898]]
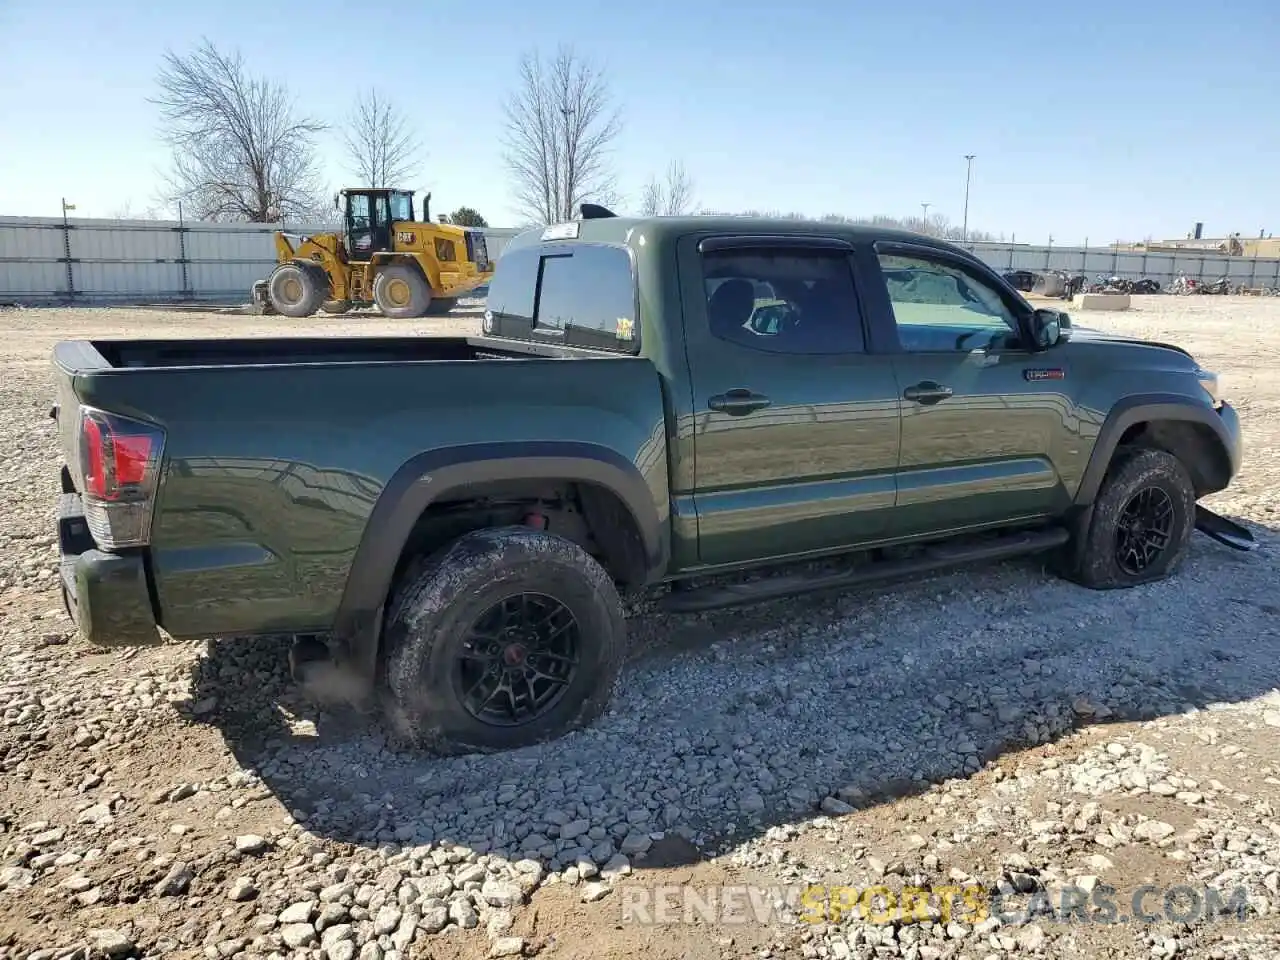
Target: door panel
[[795, 429], [984, 423]]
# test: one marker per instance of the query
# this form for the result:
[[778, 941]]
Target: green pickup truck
[[451, 521]]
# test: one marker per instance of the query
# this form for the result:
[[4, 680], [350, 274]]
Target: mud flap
[[1226, 532]]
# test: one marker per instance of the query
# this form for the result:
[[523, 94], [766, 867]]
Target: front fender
[[431, 476], [1152, 407]]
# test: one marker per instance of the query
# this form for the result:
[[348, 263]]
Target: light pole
[[968, 169], [925, 207]]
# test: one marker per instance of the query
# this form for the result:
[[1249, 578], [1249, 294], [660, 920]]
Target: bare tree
[[560, 126], [382, 149], [671, 197], [240, 150]]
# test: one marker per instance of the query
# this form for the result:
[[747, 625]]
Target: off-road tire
[[439, 306], [295, 290], [401, 292], [336, 306], [1093, 562], [440, 598]]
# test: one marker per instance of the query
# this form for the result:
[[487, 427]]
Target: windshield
[[401, 206]]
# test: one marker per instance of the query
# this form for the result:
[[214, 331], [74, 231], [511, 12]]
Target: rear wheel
[[295, 290], [401, 292], [506, 638], [1141, 525], [439, 306]]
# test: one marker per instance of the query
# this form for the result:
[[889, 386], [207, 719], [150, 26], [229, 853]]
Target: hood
[[1090, 335]]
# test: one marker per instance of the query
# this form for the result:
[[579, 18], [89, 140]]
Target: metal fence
[[1161, 266], [95, 261]]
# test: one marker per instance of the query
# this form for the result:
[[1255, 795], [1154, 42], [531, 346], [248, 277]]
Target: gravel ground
[[995, 730]]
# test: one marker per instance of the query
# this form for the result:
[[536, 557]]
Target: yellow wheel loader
[[383, 257]]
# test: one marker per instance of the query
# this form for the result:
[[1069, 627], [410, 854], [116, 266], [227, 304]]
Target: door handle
[[927, 392], [738, 402]]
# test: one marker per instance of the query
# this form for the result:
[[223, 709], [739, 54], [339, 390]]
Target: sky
[[1097, 121]]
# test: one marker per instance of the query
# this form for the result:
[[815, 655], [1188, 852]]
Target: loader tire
[[295, 291], [1141, 525], [505, 638], [439, 306], [401, 292], [336, 306]]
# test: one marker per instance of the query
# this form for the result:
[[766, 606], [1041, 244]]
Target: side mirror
[[337, 205], [1049, 328]]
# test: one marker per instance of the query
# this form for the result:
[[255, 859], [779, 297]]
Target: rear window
[[581, 295]]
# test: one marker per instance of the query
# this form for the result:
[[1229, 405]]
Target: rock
[[616, 866], [1271, 718], [436, 914], [574, 829], [1031, 938], [251, 844], [342, 950], [592, 892], [337, 934], [176, 882], [634, 843], [15, 878], [298, 934], [507, 947], [242, 889], [300, 912], [1152, 830], [112, 943], [386, 920], [438, 886], [502, 893], [98, 815], [830, 806], [371, 951], [462, 913]]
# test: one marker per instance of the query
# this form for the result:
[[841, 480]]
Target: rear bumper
[[106, 594]]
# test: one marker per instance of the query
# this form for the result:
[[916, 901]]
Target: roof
[[621, 230]]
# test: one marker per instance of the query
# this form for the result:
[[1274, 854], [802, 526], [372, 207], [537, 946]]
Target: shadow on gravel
[[728, 723]]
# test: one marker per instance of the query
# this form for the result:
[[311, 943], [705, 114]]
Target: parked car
[[451, 521]]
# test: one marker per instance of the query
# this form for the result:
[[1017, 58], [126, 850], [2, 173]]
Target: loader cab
[[370, 216]]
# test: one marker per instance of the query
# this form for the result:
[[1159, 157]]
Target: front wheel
[[1141, 525], [401, 292], [506, 638], [295, 290]]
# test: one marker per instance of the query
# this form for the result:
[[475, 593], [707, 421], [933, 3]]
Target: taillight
[[119, 471]]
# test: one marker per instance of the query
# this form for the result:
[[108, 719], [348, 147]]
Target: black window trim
[[791, 243], [747, 241], [961, 261], [564, 249]]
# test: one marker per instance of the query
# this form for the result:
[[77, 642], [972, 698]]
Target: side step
[[1227, 532], [932, 558]]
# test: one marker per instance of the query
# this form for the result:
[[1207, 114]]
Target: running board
[[1227, 532], [932, 558]]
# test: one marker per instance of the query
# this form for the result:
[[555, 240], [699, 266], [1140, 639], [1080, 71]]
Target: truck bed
[[94, 356], [277, 449]]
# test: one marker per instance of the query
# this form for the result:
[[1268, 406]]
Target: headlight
[[1210, 384]]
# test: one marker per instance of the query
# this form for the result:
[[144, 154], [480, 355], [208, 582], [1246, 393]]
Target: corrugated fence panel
[[118, 260]]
